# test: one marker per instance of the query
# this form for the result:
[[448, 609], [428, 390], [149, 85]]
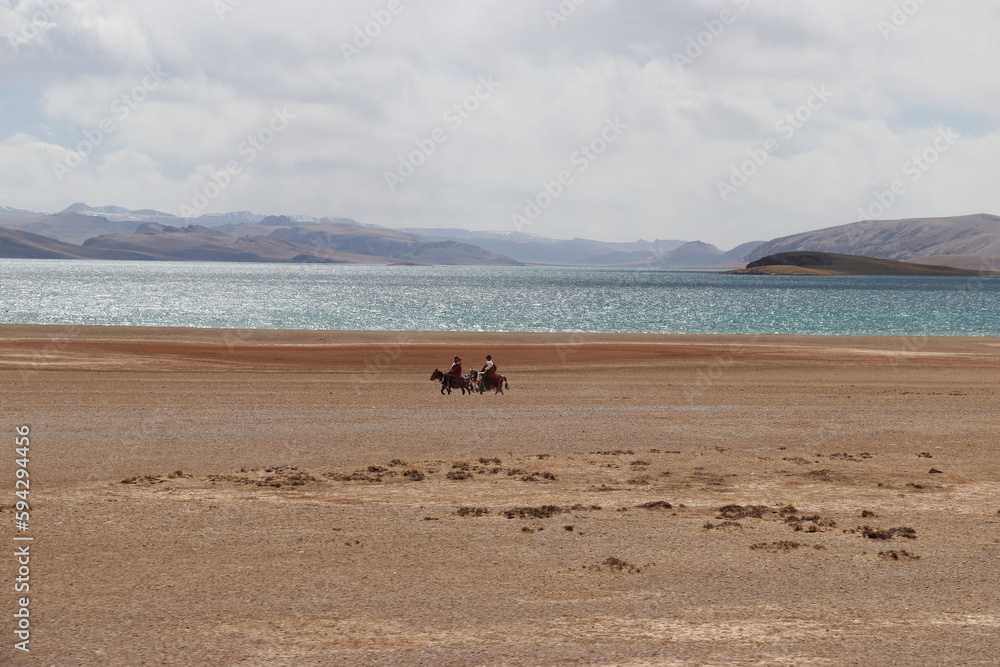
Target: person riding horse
[[453, 379], [489, 373]]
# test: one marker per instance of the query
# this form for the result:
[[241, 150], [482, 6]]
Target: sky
[[724, 121]]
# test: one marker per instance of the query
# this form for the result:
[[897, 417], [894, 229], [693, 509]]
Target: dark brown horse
[[450, 382], [482, 382]]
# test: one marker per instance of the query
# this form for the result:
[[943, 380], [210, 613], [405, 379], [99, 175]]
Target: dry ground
[[300, 498]]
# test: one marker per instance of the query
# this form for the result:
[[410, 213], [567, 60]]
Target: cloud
[[701, 86]]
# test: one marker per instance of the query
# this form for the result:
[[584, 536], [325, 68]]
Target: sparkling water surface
[[467, 298]]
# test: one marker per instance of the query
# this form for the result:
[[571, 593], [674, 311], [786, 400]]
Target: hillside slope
[[896, 239], [71, 227], [18, 244], [195, 243], [344, 237]]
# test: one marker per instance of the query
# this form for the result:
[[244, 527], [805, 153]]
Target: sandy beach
[[209, 497]]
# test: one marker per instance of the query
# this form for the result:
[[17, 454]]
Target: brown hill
[[825, 263], [345, 237], [70, 227], [196, 243], [15, 243], [901, 240]]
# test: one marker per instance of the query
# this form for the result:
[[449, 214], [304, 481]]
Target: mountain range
[[114, 232]]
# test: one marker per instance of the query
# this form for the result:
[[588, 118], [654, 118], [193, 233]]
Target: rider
[[490, 371], [456, 368]]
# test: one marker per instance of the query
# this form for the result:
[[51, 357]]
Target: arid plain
[[206, 497]]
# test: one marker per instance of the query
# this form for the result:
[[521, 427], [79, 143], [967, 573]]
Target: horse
[[480, 380], [450, 382]]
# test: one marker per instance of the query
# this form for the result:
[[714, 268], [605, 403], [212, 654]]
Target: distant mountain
[[967, 235], [117, 213], [25, 245], [199, 243], [533, 249], [167, 243], [432, 246], [825, 263], [7, 211], [971, 241], [734, 256], [348, 237], [321, 239], [228, 221], [70, 227], [231, 218], [693, 253]]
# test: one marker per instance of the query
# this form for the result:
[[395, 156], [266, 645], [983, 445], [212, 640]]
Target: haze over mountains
[[112, 232]]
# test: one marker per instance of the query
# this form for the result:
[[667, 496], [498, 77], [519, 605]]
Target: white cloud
[[687, 126]]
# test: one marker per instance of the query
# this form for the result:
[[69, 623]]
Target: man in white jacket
[[490, 371]]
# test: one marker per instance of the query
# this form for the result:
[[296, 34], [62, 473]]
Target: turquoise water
[[462, 298]]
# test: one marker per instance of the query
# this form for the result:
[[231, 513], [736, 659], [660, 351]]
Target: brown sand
[[301, 498]]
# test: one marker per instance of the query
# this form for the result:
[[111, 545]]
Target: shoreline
[[177, 349]]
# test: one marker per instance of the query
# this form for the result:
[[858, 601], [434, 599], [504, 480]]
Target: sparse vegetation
[[472, 511], [886, 533], [852, 457], [742, 511], [140, 479], [781, 546], [275, 476], [902, 554], [615, 564], [356, 476], [539, 476], [656, 505], [825, 475], [543, 512]]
